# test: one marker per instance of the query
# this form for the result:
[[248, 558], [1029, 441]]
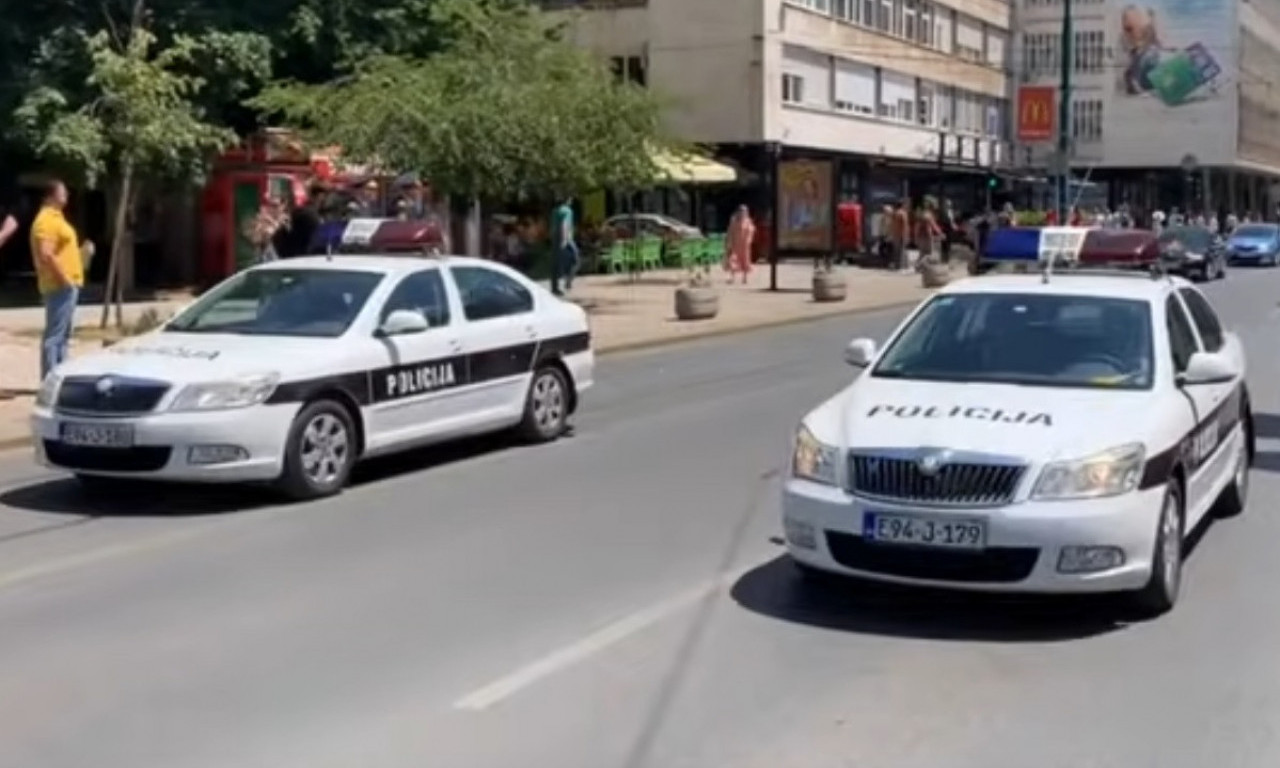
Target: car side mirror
[[403, 321], [1208, 368], [860, 352]]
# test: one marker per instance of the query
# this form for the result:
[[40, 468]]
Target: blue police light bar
[[1013, 244]]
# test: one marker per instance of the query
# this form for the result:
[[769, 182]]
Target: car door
[[417, 393], [500, 341], [1217, 404]]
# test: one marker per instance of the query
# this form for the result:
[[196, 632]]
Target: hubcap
[[325, 448], [548, 402], [1171, 545]]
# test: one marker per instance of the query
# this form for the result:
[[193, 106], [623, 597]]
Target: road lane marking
[[62, 565], [578, 651]]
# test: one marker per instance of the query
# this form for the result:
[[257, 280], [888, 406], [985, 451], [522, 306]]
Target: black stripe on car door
[[1198, 446], [417, 377]]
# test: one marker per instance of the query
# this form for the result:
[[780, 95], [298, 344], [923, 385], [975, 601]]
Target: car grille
[[958, 484], [83, 394], [143, 458], [991, 565]]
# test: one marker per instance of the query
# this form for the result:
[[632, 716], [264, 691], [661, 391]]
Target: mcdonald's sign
[[1036, 107]]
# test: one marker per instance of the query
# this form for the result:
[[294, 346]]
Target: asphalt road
[[615, 600]]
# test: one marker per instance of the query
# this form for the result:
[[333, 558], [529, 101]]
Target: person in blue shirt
[[564, 249]]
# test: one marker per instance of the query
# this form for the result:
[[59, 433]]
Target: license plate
[[924, 531], [97, 435]]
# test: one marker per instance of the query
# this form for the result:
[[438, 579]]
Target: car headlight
[[1109, 473], [814, 460], [47, 395], [241, 392]]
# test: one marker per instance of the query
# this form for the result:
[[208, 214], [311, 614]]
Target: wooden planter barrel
[[696, 303], [829, 287]]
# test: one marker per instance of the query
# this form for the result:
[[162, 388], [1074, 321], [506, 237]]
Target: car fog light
[[215, 454], [800, 533], [1089, 559]]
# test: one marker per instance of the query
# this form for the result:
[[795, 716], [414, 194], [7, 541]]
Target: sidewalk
[[625, 313]]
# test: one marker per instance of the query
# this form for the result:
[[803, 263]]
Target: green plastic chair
[[713, 250], [617, 258], [650, 256], [685, 254]]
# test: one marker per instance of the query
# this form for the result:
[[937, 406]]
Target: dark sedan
[[1195, 252]]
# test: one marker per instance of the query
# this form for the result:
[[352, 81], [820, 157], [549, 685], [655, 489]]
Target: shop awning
[[689, 168]]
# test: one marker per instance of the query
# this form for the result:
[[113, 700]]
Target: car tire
[[546, 406], [1235, 497], [319, 452], [1161, 592], [1222, 269]]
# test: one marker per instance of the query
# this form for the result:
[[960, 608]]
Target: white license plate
[[96, 435], [924, 530]]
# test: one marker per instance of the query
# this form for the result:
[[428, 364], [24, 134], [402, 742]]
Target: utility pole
[[1064, 117]]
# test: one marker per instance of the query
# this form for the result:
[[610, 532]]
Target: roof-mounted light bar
[[1071, 248]]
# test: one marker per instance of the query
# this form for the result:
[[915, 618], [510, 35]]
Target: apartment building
[[1174, 103], [892, 97]]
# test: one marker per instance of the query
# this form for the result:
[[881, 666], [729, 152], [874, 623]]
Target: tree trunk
[[113, 294]]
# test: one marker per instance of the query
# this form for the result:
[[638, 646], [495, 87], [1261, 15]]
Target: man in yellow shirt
[[55, 250]]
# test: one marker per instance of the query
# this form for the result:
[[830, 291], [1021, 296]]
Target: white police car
[[292, 371], [1025, 433]]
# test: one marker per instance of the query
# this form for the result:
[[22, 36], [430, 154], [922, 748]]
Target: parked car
[[1255, 244], [629, 225]]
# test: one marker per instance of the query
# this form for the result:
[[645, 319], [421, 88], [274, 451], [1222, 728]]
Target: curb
[[668, 341]]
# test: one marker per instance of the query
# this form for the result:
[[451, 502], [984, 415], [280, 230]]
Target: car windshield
[[320, 303], [1026, 339], [1192, 238], [1254, 230]]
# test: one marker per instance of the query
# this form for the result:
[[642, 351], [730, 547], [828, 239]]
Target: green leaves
[[137, 107], [507, 108]]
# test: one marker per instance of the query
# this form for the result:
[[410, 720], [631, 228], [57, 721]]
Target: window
[[844, 10], [970, 112], [1088, 51], [420, 292], [1182, 340], [925, 112], [855, 88], [1029, 339], [944, 30], [897, 96], [318, 303], [909, 18], [792, 89], [969, 39], [997, 44], [1205, 319], [487, 293], [1040, 54], [884, 16], [806, 77], [1086, 120], [928, 18], [628, 69]]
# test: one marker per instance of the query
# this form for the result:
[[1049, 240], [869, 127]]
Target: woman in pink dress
[[737, 244]]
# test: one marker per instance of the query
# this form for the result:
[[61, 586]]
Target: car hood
[[1036, 423], [190, 357]]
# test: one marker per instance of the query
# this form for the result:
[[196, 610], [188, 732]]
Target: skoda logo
[[105, 386], [932, 463]]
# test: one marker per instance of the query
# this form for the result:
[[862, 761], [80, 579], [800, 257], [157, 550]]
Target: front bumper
[[1024, 541], [1249, 257], [166, 445]]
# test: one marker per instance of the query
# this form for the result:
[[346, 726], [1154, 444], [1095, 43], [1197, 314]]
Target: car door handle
[[455, 345]]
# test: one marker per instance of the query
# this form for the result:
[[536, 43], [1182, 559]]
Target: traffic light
[[993, 181]]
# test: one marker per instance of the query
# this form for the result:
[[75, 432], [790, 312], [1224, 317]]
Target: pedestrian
[[900, 229], [56, 252], [265, 229], [738, 243], [564, 249], [8, 226], [927, 233], [950, 230]]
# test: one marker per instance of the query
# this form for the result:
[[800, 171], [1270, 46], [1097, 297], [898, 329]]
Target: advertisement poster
[[804, 205], [1037, 105], [1174, 84]]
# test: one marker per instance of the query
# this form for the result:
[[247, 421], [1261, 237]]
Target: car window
[[1030, 339], [1255, 230], [421, 292], [1182, 340], [1205, 319], [487, 293], [1195, 239], [281, 302]]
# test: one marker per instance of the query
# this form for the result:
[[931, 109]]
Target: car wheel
[[1235, 496], [1222, 269], [1161, 592], [320, 452], [546, 406]]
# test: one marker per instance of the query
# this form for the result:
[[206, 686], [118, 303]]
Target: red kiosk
[[271, 162]]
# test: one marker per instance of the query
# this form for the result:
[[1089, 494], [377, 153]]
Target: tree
[[135, 118], [507, 107]]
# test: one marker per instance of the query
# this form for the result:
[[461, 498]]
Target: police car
[[1058, 432], [292, 371]]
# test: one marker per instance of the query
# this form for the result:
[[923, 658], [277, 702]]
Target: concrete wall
[[1259, 84]]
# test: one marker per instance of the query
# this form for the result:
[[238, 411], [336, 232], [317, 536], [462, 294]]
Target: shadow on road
[[776, 589], [143, 499], [1266, 425]]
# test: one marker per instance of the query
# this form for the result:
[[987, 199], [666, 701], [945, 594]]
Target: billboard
[[1173, 90], [804, 205], [1037, 105]]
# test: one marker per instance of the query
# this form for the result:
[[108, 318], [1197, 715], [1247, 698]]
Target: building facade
[[893, 97], [1174, 103]]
